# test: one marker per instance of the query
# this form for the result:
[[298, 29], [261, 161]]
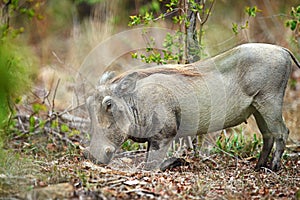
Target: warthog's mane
[[185, 70]]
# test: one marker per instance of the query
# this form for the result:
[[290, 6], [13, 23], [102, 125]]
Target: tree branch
[[208, 14]]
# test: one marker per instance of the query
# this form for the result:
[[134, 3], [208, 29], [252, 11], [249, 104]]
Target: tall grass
[[16, 70], [16, 73]]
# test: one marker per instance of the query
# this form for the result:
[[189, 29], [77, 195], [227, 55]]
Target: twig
[[165, 15], [71, 109], [168, 13], [21, 124], [128, 153], [112, 183], [143, 192], [60, 136], [58, 59], [19, 117], [209, 10], [54, 95], [208, 158], [270, 171]]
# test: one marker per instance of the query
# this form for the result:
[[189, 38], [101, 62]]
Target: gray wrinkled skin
[[160, 104]]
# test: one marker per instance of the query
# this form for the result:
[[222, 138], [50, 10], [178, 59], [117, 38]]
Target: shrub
[[16, 71]]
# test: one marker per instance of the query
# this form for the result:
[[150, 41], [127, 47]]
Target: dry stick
[[25, 131], [70, 109], [50, 118], [54, 95], [129, 153], [21, 124], [204, 158], [142, 192], [44, 97], [58, 59]]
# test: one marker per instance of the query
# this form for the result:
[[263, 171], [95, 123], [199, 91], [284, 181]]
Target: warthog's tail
[[293, 57]]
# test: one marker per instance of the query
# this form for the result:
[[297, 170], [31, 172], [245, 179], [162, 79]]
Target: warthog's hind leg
[[268, 141], [280, 141], [270, 122]]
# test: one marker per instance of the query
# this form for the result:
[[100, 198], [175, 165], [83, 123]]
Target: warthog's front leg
[[157, 151]]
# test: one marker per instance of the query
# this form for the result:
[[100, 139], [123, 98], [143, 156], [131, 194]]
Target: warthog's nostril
[[108, 151], [89, 156]]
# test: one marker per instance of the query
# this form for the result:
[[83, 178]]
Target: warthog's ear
[[106, 77], [127, 84]]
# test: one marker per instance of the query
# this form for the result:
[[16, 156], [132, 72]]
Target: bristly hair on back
[[185, 70]]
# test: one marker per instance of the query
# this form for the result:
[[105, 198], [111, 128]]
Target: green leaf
[[134, 55], [54, 124], [148, 17], [18, 100], [31, 123], [37, 107], [292, 24], [64, 128], [246, 25], [74, 133], [134, 20], [235, 28], [298, 9], [30, 13], [251, 11]]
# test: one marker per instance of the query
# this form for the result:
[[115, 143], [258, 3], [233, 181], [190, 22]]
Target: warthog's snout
[[99, 157], [88, 155]]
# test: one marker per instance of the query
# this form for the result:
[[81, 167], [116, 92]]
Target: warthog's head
[[110, 117]]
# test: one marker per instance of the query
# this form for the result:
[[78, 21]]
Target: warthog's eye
[[108, 106], [106, 103]]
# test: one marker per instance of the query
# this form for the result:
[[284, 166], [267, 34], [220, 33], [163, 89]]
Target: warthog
[[162, 103]]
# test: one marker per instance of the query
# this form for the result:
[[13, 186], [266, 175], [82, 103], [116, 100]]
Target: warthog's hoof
[[172, 163], [274, 167]]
